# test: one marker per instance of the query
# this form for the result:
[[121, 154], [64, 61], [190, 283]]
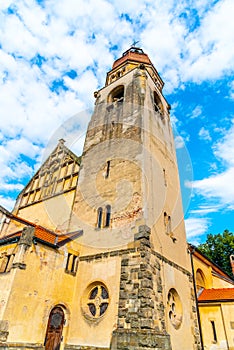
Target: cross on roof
[[134, 43]]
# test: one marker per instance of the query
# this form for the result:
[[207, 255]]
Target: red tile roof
[[132, 56], [44, 235], [53, 238], [40, 233], [219, 294]]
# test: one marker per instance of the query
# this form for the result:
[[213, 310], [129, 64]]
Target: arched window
[[167, 223], [117, 95], [158, 107], [108, 215], [72, 264], [99, 218], [200, 281]]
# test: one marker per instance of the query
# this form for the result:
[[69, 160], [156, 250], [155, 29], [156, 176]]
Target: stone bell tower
[[128, 204]]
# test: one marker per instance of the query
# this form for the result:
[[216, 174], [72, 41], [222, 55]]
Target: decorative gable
[[57, 175]]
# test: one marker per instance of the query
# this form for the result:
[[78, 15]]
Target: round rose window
[[174, 308], [96, 300]]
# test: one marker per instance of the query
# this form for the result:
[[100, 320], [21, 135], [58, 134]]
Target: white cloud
[[195, 228], [7, 202], [204, 134], [231, 93], [219, 186], [196, 112], [84, 85], [224, 148], [179, 142], [62, 38], [205, 52], [11, 187], [211, 53], [205, 209]]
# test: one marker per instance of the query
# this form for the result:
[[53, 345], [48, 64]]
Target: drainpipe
[[196, 301]]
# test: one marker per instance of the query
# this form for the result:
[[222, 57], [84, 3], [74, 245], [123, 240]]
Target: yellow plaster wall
[[173, 278], [51, 286], [228, 317], [82, 330], [6, 279], [221, 283], [53, 213], [211, 280], [162, 189], [222, 315]]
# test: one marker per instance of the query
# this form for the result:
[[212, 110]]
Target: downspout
[[196, 301]]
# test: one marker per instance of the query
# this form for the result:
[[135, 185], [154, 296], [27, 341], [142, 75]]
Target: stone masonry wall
[[141, 318]]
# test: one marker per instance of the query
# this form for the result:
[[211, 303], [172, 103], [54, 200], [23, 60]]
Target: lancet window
[[157, 104], [104, 218]]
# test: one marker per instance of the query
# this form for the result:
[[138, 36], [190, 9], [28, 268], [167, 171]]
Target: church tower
[[134, 275]]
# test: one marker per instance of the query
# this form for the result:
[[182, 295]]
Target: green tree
[[218, 248]]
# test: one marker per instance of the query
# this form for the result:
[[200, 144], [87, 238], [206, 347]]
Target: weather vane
[[134, 43]]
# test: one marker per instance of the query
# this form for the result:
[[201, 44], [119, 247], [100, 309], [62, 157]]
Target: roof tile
[[216, 294]]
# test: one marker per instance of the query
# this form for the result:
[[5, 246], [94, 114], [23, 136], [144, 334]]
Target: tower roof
[[133, 54], [131, 59]]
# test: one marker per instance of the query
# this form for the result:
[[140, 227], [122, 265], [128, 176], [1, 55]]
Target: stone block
[[144, 243], [122, 312], [145, 293], [157, 265], [143, 266], [145, 313], [140, 339], [122, 285], [147, 283], [123, 294], [146, 323], [27, 236], [159, 288], [144, 274], [134, 323], [124, 276], [143, 233], [124, 262], [146, 303], [145, 229]]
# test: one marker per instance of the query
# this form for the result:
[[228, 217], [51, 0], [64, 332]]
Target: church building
[[94, 253]]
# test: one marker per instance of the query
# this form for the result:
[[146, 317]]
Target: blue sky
[[54, 54]]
